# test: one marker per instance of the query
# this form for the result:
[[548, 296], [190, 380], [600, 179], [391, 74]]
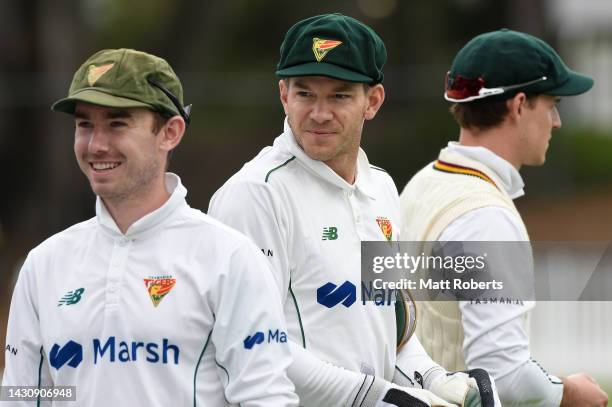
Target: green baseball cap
[[125, 78], [332, 45], [502, 63]]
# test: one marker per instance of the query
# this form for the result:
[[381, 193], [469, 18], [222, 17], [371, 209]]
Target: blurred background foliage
[[225, 52]]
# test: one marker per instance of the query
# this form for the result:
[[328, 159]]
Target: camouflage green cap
[[332, 45], [125, 78], [502, 63]]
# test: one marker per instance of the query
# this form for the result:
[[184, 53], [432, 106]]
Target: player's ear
[[375, 97], [171, 133], [283, 87], [516, 105]]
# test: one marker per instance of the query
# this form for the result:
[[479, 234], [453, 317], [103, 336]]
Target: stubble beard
[[315, 152], [134, 186]]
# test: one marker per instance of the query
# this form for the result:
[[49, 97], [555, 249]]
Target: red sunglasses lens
[[463, 88]]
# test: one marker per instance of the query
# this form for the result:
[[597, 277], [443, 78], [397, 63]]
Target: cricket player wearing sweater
[[504, 86], [151, 302]]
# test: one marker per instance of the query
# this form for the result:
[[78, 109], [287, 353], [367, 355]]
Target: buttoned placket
[[121, 249], [353, 201]]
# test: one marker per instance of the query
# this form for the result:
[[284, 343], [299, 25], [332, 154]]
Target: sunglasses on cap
[[183, 111], [466, 90]]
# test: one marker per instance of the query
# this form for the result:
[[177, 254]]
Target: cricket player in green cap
[[308, 202], [504, 87], [151, 302]]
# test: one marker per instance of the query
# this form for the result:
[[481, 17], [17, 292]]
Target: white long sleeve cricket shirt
[[310, 223], [179, 311]]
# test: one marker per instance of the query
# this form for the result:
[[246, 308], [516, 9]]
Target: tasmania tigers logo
[[321, 47], [95, 72], [385, 227], [159, 287]]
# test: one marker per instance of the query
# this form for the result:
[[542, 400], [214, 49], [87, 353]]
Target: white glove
[[453, 387], [463, 390], [397, 396]]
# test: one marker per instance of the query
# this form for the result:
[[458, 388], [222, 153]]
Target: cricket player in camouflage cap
[[150, 302]]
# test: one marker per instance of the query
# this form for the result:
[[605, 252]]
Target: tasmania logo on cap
[[385, 227], [95, 72], [158, 287], [321, 47]]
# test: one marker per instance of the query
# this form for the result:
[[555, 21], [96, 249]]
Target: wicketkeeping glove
[[396, 396], [473, 388], [386, 394]]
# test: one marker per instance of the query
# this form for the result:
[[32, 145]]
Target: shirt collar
[[363, 177], [177, 197], [510, 178]]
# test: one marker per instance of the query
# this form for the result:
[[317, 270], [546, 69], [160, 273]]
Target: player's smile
[[326, 116], [321, 133], [103, 167], [117, 150]]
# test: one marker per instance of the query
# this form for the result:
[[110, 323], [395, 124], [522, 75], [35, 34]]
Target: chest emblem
[[71, 297], [330, 233], [158, 287], [385, 227]]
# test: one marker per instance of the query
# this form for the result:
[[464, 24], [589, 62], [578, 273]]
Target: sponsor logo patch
[[251, 341], [113, 350], [129, 351], [330, 295], [10, 349], [158, 287], [321, 47], [267, 252], [259, 337], [71, 354]]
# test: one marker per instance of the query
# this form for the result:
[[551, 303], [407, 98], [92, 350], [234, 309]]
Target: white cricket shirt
[[179, 311], [310, 222]]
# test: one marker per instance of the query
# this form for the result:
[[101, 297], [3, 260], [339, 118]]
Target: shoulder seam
[[277, 167]]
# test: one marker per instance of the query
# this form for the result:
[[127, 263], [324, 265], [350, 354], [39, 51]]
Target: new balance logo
[[331, 295], [71, 297], [330, 233], [277, 336], [71, 354]]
